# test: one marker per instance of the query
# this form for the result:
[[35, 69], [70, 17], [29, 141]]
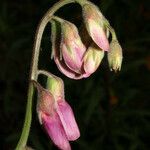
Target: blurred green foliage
[[112, 110]]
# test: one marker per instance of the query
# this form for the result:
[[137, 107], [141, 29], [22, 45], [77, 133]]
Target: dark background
[[112, 110]]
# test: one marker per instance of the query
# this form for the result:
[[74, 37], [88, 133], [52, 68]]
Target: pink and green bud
[[115, 56], [45, 103], [55, 114], [76, 62], [94, 21], [92, 59], [57, 52], [72, 47], [56, 87], [67, 71]]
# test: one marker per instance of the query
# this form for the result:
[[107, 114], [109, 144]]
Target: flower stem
[[34, 69], [46, 73], [47, 17], [107, 24]]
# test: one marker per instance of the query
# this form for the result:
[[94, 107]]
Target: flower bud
[[49, 118], [54, 128], [72, 47], [55, 114], [92, 59], [115, 56], [57, 52], [45, 103], [56, 87], [67, 71], [94, 21]]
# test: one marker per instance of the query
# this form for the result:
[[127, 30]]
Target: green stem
[[82, 2], [34, 68], [58, 19], [53, 37], [47, 17], [46, 73], [106, 22], [114, 37]]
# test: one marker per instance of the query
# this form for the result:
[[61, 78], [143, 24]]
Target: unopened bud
[[55, 114], [56, 87], [45, 103], [94, 21], [115, 56], [72, 47], [92, 59]]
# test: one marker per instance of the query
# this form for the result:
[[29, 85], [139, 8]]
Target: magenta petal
[[98, 34], [73, 61], [72, 47], [68, 120], [67, 71], [53, 126], [99, 37], [86, 75]]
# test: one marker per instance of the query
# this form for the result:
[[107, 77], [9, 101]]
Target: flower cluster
[[55, 114], [76, 60]]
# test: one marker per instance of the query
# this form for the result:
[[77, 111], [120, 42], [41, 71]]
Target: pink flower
[[72, 50], [68, 121], [92, 59], [72, 47], [55, 130], [76, 62], [56, 115], [94, 21]]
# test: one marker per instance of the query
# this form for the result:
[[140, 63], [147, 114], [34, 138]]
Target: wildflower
[[56, 115], [115, 56], [71, 50], [72, 47], [92, 59], [76, 62], [94, 21]]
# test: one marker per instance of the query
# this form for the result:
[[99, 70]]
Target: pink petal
[[92, 59], [53, 126], [71, 59], [72, 47], [98, 35], [89, 67], [68, 120], [66, 71], [86, 75]]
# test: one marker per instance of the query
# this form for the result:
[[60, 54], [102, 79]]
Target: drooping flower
[[92, 59], [94, 21], [72, 50], [56, 115], [72, 47], [54, 128], [115, 56], [76, 61]]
